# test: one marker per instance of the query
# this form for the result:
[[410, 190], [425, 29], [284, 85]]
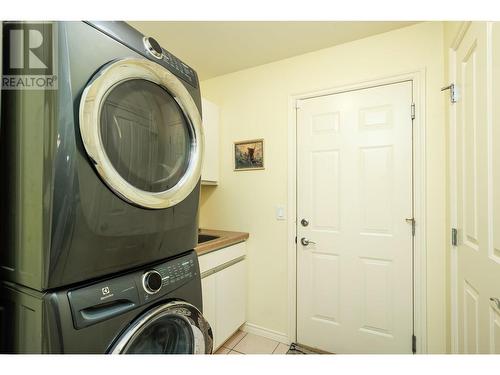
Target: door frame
[[417, 77]]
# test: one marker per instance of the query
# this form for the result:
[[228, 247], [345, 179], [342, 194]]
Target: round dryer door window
[[174, 328], [145, 135], [142, 130]]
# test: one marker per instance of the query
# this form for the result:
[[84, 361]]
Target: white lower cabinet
[[224, 299], [208, 292], [230, 300]]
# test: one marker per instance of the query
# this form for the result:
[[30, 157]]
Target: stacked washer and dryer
[[99, 201]]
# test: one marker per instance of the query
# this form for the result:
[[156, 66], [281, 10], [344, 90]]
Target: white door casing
[[354, 187], [477, 171]]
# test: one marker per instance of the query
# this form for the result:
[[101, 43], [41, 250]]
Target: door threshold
[[304, 349]]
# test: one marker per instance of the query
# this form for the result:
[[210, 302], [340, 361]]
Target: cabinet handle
[[222, 266]]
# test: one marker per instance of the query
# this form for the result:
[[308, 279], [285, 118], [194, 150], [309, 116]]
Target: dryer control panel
[[148, 47], [103, 300]]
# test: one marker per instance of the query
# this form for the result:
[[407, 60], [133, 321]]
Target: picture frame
[[248, 155]]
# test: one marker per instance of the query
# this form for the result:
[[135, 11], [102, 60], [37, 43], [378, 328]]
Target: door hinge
[[413, 111], [295, 239], [453, 92], [454, 236], [413, 344], [412, 222]]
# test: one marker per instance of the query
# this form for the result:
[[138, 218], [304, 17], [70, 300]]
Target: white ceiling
[[215, 48]]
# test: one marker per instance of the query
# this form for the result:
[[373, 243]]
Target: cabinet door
[[210, 169], [208, 292], [230, 285]]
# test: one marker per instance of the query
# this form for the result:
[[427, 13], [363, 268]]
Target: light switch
[[280, 213]]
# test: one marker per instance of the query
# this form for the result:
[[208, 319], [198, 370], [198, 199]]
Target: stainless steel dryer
[[101, 175]]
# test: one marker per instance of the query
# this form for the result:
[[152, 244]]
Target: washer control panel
[[107, 298], [152, 282], [177, 272], [168, 276]]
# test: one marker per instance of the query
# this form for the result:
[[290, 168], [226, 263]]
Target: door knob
[[304, 241], [304, 222]]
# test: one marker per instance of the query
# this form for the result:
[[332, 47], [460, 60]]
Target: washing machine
[[152, 310], [101, 175]]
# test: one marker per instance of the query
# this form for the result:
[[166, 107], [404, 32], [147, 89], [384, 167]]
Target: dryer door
[[174, 328], [142, 131]]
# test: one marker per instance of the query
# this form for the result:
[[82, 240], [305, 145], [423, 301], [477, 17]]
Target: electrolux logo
[[106, 293], [29, 56]]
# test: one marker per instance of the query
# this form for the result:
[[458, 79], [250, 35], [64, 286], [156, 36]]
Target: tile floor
[[248, 343]]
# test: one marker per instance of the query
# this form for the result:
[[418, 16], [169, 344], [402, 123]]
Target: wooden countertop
[[225, 239]]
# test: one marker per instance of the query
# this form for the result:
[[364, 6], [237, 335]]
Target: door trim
[[419, 197]]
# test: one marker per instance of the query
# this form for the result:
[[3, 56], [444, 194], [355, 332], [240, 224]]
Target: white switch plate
[[280, 213]]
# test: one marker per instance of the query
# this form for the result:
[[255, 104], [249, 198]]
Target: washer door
[[173, 328], [142, 130]]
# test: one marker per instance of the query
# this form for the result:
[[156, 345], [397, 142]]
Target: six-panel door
[[478, 189], [354, 187]]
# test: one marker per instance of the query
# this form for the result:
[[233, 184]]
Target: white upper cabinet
[[210, 170]]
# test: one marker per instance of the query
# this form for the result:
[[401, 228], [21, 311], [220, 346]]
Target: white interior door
[[478, 189], [354, 189]]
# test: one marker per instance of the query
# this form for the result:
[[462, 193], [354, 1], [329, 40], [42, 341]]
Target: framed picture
[[249, 155]]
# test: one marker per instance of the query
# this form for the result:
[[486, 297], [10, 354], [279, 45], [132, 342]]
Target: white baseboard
[[264, 332]]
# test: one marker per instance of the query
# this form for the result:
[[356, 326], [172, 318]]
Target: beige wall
[[254, 104]]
